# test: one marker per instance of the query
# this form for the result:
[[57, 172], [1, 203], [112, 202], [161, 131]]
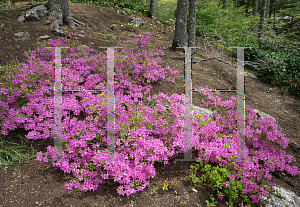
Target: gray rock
[[200, 111], [158, 22], [81, 32], [36, 13], [80, 35], [21, 18], [21, 36], [137, 21], [282, 198], [264, 115], [101, 10], [45, 37], [47, 22], [121, 12], [58, 33], [250, 75]]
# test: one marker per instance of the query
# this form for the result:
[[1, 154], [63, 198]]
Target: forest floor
[[40, 184]]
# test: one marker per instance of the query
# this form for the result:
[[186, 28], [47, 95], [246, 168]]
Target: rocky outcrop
[[36, 13]]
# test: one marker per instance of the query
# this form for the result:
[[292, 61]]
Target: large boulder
[[36, 13], [263, 115], [282, 198]]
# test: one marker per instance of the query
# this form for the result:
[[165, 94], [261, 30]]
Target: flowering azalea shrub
[[142, 136]]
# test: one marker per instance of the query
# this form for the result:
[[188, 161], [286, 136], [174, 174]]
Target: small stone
[[137, 21], [79, 35], [45, 37], [21, 36], [121, 12], [104, 31], [58, 33], [101, 10], [21, 19], [48, 22], [81, 32]]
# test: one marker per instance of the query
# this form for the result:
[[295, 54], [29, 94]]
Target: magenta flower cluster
[[142, 137]]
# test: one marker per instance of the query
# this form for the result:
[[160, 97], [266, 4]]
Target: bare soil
[[40, 184]]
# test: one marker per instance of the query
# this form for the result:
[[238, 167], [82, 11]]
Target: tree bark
[[192, 26], [224, 4], [291, 25], [271, 9], [262, 19], [255, 7], [180, 25], [152, 12], [267, 8], [59, 14]]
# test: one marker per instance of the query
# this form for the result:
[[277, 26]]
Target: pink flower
[[220, 197]]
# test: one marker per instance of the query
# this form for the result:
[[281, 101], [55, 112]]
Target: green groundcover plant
[[142, 137]]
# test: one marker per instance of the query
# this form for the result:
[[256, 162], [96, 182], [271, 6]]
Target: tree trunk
[[59, 14], [235, 3], [192, 26], [180, 25], [271, 9], [267, 8], [291, 25], [255, 7], [152, 12], [224, 4], [262, 19]]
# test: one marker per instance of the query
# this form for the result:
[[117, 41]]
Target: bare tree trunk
[[271, 8], [262, 19], [59, 14], [152, 12], [180, 25], [267, 8], [224, 4], [235, 3], [192, 26], [255, 7], [291, 25]]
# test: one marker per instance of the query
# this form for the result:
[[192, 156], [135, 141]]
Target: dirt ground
[[38, 184]]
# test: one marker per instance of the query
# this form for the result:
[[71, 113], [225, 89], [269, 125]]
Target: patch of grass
[[12, 153], [110, 36], [164, 56], [5, 8]]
